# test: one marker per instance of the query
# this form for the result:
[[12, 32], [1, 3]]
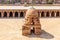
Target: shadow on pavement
[[43, 34]]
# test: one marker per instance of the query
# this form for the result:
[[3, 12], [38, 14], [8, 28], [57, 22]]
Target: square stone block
[[37, 32], [26, 32]]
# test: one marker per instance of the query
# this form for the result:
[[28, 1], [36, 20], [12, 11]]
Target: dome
[[31, 12]]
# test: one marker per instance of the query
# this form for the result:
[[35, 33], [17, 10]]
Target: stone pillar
[[59, 14], [2, 13], [44, 14], [55, 14], [50, 14], [13, 14], [24, 14], [7, 14], [18, 14], [40, 14]]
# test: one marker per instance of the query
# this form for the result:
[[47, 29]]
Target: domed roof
[[31, 11]]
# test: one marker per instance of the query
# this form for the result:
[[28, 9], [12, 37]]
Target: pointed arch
[[16, 14], [10, 14], [52, 14], [5, 14], [47, 14], [22, 14], [57, 14], [42, 14], [0, 14]]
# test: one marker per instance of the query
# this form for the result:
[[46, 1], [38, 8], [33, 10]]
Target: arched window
[[32, 30], [47, 14], [52, 14], [42, 14], [5, 14], [0, 14], [16, 14], [21, 14], [10, 14], [57, 14]]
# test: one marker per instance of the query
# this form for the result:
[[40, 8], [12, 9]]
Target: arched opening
[[10, 14], [16, 14], [52, 14], [21, 14], [32, 30], [57, 14], [5, 14], [47, 14], [42, 14], [0, 14]]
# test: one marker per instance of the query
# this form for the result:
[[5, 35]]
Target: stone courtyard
[[10, 29]]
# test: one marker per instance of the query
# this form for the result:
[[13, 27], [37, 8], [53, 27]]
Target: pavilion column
[[13, 14], [18, 14], [7, 14], [59, 14], [44, 14], [23, 14], [55, 14], [40, 14], [2, 14], [50, 14]]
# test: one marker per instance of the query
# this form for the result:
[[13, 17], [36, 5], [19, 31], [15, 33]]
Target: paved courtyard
[[10, 29]]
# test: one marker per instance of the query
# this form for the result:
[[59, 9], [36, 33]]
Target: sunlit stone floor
[[10, 29]]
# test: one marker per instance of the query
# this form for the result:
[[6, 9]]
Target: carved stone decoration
[[32, 23]]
